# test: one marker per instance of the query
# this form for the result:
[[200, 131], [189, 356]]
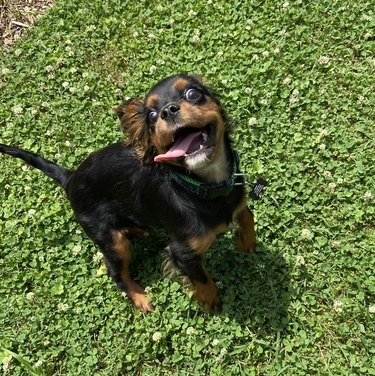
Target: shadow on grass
[[254, 288]]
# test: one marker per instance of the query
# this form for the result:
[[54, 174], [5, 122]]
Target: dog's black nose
[[170, 111]]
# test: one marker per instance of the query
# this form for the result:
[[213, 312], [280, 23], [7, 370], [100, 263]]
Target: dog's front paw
[[208, 296], [141, 303], [246, 240], [138, 297], [246, 243]]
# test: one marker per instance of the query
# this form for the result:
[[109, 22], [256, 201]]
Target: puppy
[[176, 170]]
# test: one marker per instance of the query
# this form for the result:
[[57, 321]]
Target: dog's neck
[[218, 170]]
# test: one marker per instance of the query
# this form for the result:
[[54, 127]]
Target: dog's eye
[[192, 95], [153, 116]]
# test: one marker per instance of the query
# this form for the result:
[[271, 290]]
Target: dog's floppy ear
[[131, 115], [131, 111]]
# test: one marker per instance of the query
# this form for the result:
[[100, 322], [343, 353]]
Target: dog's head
[[180, 122]]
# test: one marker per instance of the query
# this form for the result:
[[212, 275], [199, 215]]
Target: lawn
[[297, 77]]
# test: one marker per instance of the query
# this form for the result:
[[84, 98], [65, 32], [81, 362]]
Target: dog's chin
[[199, 160]]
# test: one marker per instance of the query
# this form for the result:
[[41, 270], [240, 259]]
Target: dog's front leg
[[246, 240], [187, 257]]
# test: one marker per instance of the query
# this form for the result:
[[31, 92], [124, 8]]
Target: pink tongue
[[179, 148]]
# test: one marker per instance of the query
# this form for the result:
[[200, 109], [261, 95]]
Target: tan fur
[[135, 292], [200, 244], [217, 170], [180, 84], [246, 239], [132, 124], [152, 101], [163, 136], [207, 294], [199, 116]]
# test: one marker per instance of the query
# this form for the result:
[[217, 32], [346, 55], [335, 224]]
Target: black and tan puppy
[[176, 171]]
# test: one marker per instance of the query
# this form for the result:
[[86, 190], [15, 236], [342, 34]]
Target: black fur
[[113, 193], [60, 174]]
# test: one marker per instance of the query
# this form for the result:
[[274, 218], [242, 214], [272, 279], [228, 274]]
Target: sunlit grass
[[297, 79]]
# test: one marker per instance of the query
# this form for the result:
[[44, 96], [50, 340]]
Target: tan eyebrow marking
[[152, 101], [180, 84]]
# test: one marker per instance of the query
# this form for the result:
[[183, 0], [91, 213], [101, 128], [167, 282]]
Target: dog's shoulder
[[102, 170]]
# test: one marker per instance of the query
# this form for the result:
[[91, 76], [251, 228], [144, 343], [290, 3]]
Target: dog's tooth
[[205, 136]]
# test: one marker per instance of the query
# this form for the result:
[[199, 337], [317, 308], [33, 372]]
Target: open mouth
[[188, 142]]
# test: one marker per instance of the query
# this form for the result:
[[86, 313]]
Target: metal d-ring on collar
[[210, 191]]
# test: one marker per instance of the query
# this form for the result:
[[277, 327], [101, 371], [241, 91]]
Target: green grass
[[298, 80]]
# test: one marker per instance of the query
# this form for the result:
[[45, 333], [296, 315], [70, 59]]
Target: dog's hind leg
[[118, 255]]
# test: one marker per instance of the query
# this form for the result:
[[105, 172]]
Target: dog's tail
[[60, 174]]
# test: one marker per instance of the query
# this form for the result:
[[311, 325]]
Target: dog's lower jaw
[[196, 162], [215, 170]]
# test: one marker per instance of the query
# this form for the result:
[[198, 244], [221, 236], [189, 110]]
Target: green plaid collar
[[210, 191]]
